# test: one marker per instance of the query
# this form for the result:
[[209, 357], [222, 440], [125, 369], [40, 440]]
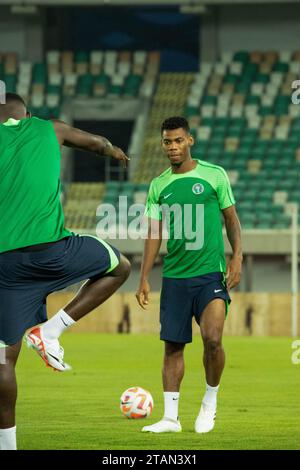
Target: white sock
[[8, 440], [210, 397], [171, 405], [54, 327]]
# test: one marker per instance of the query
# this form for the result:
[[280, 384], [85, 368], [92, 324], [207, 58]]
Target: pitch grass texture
[[258, 406]]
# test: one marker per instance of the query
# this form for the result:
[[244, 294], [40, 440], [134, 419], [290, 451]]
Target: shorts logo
[[198, 188]]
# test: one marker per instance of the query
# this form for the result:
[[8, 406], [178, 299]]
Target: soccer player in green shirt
[[189, 197], [38, 255]]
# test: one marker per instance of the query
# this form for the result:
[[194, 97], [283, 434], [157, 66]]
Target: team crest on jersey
[[198, 188]]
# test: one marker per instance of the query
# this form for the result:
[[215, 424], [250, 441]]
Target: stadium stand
[[68, 74], [242, 118], [239, 109]]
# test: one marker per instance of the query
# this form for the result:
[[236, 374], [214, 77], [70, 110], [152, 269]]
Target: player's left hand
[[234, 272]]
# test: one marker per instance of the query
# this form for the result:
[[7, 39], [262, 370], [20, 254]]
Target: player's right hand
[[142, 294], [118, 154]]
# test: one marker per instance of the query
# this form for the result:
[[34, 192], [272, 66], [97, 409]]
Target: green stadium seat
[[84, 85], [245, 206], [43, 112], [208, 121], [266, 111], [269, 185], [263, 205], [10, 82], [241, 56], [191, 111], [239, 165], [264, 224], [239, 185], [113, 184], [281, 67], [253, 99], [247, 219], [231, 78], [269, 164], [276, 210], [282, 221], [209, 100], [285, 185], [39, 73], [222, 121], [143, 187], [127, 186], [217, 141], [102, 79], [219, 133], [53, 90], [243, 87], [262, 78], [266, 194], [54, 112], [277, 174], [115, 90], [81, 56], [234, 132]]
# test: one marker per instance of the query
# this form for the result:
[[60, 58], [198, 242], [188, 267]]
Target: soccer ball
[[136, 403]]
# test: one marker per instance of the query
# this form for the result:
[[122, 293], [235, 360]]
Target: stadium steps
[[169, 100], [81, 204]]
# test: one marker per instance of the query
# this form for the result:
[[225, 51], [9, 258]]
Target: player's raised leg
[[93, 293], [172, 374], [211, 326], [8, 397]]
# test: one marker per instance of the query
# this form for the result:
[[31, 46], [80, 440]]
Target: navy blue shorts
[[28, 277], [185, 298]]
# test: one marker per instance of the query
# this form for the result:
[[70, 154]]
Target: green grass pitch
[[258, 406]]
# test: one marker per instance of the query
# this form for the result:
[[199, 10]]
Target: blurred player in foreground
[[195, 278], [38, 255]]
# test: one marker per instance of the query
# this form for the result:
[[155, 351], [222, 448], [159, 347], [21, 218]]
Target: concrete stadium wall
[[270, 314], [262, 27], [21, 34], [229, 28]]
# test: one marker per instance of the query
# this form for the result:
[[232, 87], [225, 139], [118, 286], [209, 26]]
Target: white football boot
[[50, 351], [164, 425], [206, 419]]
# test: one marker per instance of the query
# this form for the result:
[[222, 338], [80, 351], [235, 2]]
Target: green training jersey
[[30, 207], [190, 204]]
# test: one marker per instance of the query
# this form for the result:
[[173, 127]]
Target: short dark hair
[[175, 122], [14, 98]]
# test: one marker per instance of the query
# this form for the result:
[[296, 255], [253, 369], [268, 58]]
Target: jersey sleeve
[[152, 210], [224, 191]]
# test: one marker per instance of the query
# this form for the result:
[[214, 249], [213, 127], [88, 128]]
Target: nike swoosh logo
[[175, 399], [218, 290], [53, 357], [166, 197], [63, 322]]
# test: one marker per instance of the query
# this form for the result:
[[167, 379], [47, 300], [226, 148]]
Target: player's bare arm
[[76, 138], [233, 230], [151, 249]]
